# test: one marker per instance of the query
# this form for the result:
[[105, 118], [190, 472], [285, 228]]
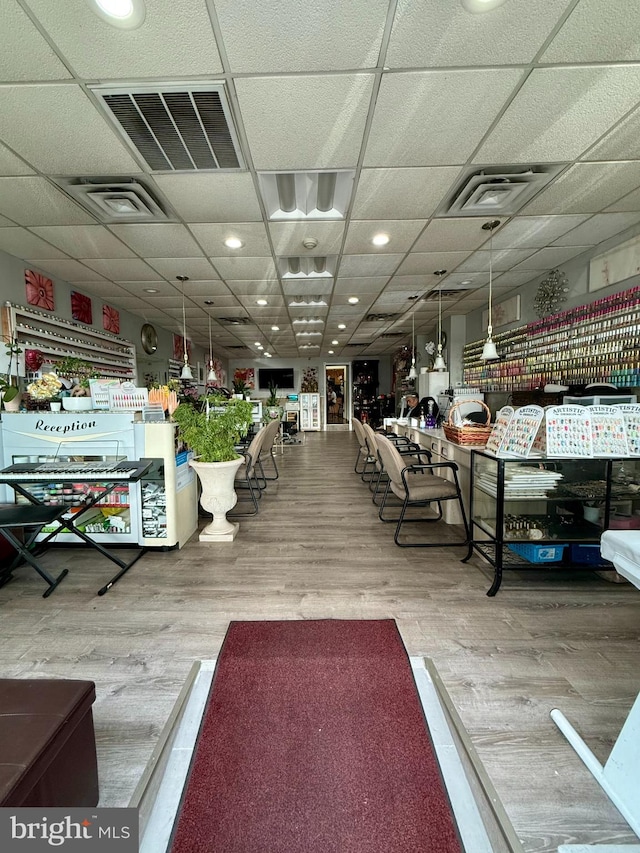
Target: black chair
[[34, 517]]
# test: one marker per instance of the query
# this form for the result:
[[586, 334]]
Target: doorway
[[337, 403]]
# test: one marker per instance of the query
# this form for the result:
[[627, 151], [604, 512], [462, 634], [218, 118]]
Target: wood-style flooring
[[317, 550]]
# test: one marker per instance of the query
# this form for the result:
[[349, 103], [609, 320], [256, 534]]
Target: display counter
[[158, 511]]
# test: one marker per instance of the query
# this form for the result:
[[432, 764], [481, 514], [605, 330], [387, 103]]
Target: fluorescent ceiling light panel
[[306, 195]]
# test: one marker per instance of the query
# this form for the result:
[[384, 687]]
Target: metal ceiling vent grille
[[496, 190], [178, 127], [307, 195], [116, 199], [380, 318], [234, 321], [446, 294]]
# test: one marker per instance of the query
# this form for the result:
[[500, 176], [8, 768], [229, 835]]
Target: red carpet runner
[[314, 741]]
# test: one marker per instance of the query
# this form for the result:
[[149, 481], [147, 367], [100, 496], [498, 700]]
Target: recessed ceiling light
[[330, 352], [275, 328], [151, 290], [380, 239], [261, 302], [353, 300], [334, 343], [476, 6], [125, 14], [268, 354], [233, 243], [209, 302], [257, 343], [342, 326]]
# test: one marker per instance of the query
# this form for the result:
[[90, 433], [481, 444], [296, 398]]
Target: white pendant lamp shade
[[439, 363], [413, 373], [186, 372], [489, 351], [212, 376]]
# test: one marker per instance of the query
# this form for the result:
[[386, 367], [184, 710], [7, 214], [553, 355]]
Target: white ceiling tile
[[410, 105], [211, 237], [122, 269], [138, 288], [402, 193], [451, 235], [255, 288], [514, 278], [176, 40], [369, 265], [10, 164], [77, 141], [313, 122], [630, 202], [158, 240], [402, 235], [5, 223], [207, 289], [425, 263], [198, 269], [211, 197], [621, 143], [34, 201], [332, 35], [313, 287], [245, 269], [412, 283], [502, 259], [24, 49], [600, 227], [586, 188], [288, 236], [130, 303], [356, 287], [597, 32], [559, 112], [68, 270], [432, 33], [545, 259], [20, 242], [534, 231], [84, 241]]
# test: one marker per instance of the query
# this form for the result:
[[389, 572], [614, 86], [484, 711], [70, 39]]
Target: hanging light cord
[[489, 325]]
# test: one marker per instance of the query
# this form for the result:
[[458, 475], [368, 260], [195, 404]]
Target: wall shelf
[[111, 356], [598, 342]]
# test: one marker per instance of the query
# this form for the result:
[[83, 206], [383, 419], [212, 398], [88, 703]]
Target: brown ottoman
[[47, 743]]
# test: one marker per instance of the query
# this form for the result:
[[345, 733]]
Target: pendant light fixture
[[212, 376], [413, 373], [489, 351], [439, 363], [186, 372]]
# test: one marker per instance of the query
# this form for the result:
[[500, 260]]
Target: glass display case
[[544, 514]]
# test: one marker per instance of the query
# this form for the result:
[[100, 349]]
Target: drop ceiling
[[402, 99]]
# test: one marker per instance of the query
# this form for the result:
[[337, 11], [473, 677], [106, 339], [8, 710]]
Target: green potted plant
[[10, 395], [212, 430], [272, 407], [239, 388]]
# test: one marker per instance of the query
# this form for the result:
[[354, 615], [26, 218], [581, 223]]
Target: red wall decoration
[[178, 348], [39, 290], [81, 307], [110, 319]]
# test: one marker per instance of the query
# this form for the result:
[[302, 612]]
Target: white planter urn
[[218, 497]]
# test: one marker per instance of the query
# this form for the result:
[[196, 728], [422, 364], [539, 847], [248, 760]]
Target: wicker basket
[[469, 435]]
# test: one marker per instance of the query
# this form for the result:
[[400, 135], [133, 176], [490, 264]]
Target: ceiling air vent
[[360, 345], [234, 321], [446, 294], [380, 318], [496, 190], [392, 335], [178, 127], [115, 199], [315, 266]]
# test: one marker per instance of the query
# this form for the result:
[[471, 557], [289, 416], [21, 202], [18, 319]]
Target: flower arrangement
[[46, 388]]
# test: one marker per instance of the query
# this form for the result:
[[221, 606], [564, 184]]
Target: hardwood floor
[[317, 550]]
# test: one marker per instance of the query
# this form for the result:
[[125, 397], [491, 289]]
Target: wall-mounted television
[[281, 377]]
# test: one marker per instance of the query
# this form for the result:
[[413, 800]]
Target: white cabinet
[[309, 412]]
